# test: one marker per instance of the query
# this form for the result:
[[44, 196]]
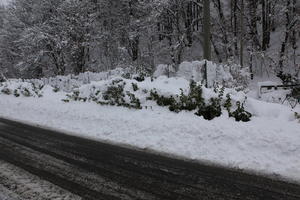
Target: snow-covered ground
[[18, 184], [269, 143]]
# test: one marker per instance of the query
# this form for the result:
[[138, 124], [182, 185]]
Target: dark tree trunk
[[265, 24], [234, 21], [253, 4], [286, 39], [223, 26]]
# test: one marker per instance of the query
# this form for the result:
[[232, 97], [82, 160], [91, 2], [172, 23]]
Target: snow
[[229, 76], [18, 184], [269, 143], [4, 2]]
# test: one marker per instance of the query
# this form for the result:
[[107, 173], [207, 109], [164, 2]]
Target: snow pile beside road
[[229, 76], [69, 82], [269, 143]]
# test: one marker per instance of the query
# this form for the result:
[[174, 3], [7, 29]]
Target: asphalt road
[[95, 170]]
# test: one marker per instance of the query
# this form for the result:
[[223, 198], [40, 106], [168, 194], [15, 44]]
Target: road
[[94, 170]]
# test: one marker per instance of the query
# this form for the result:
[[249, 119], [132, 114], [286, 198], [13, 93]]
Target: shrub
[[74, 96], [287, 78], [210, 111], [135, 87], [134, 102], [139, 78], [182, 102], [66, 100], [6, 91], [160, 99], [194, 100], [297, 116], [22, 88], [114, 95], [26, 92], [227, 105], [56, 89], [240, 114], [37, 89], [16, 93]]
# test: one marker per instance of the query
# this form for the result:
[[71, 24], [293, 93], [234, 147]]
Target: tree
[[242, 35], [206, 30], [57, 37]]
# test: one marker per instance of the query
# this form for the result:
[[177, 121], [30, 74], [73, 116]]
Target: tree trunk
[[206, 30], [234, 25], [242, 35], [287, 35], [265, 24], [253, 4]]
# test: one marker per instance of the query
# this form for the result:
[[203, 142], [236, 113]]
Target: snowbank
[[229, 76], [69, 82]]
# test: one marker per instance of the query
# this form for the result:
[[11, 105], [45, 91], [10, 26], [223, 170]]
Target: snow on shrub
[[297, 116], [118, 92], [132, 88], [184, 96], [20, 88]]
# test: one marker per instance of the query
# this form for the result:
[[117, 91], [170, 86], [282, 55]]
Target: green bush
[[160, 99], [56, 89], [23, 90], [135, 87], [16, 93], [140, 77], [74, 96], [227, 105], [134, 102], [180, 102], [6, 91], [114, 95], [26, 92], [194, 101], [240, 114], [297, 116], [37, 89], [210, 111]]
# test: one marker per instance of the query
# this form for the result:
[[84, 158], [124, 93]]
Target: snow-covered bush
[[287, 78], [240, 114], [19, 88], [194, 100], [297, 116], [133, 94], [113, 92]]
